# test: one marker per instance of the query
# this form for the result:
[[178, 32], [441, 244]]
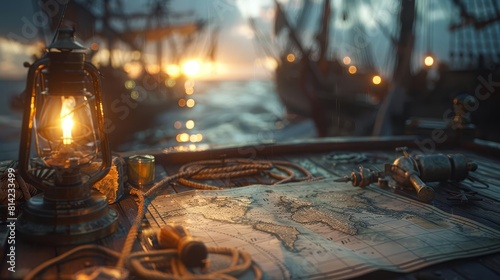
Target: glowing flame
[[67, 109]]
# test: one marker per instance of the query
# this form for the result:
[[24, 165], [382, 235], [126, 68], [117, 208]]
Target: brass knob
[[424, 192]]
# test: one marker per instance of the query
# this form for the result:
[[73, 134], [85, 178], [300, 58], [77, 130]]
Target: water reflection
[[190, 124], [223, 112], [181, 125]]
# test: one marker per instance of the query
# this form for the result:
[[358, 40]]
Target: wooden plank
[[492, 262], [307, 163], [166, 157], [316, 156], [474, 270], [27, 257]]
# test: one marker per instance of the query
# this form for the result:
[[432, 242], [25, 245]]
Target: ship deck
[[330, 158]]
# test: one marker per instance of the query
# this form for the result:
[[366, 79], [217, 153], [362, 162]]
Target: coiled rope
[[236, 168]]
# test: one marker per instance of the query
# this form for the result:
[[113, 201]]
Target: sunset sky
[[238, 55]]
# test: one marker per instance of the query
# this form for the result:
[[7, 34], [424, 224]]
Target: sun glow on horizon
[[191, 68], [13, 54], [173, 70]]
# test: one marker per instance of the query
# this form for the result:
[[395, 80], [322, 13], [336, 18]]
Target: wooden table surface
[[321, 158]]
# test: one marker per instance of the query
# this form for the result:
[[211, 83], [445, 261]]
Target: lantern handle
[[60, 21], [103, 137]]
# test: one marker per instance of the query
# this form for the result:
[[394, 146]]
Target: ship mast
[[310, 74], [393, 105], [404, 47], [323, 34], [291, 31]]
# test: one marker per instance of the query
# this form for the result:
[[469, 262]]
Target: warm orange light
[[190, 103], [182, 102], [190, 124], [189, 83], [346, 60], [133, 69], [189, 86], [290, 57], [170, 82], [173, 70], [429, 61], [191, 68], [196, 138], [376, 80], [184, 137], [134, 94], [153, 68], [177, 125], [129, 84], [352, 69], [193, 138], [67, 123], [94, 46], [136, 55]]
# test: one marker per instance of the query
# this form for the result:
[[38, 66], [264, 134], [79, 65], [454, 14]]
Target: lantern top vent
[[65, 41]]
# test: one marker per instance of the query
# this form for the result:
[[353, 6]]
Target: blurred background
[[197, 72]]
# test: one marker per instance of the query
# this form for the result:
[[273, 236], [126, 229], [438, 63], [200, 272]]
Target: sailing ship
[[311, 81], [317, 228], [472, 59], [350, 95], [137, 86]]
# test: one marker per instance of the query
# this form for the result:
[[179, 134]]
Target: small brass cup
[[141, 170]]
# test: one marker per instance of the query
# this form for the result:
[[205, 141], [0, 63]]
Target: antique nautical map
[[325, 229]]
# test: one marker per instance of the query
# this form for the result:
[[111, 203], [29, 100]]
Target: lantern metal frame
[[68, 211]]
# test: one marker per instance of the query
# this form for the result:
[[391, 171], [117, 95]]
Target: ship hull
[[347, 104]]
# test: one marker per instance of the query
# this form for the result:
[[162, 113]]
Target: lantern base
[[66, 222]]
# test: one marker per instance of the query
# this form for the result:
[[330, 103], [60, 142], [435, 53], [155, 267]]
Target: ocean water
[[224, 112], [10, 120]]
